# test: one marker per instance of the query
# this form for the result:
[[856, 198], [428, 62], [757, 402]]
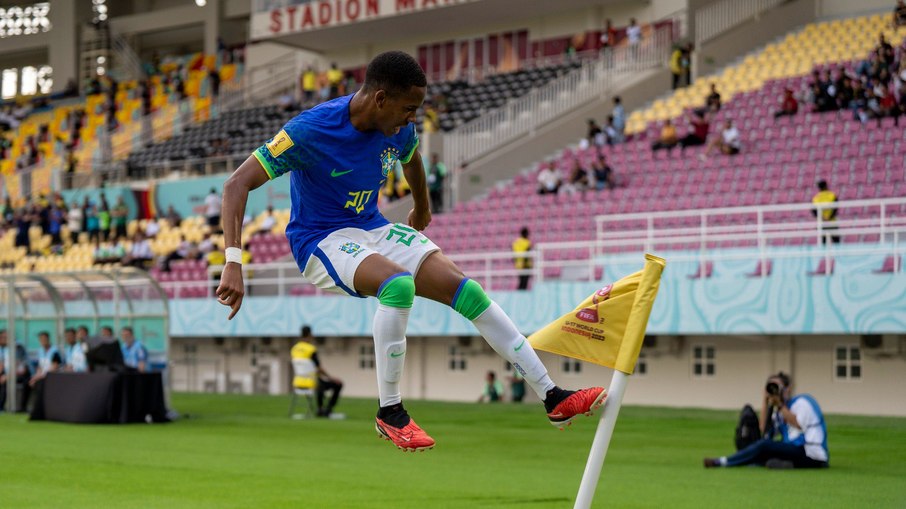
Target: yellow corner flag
[[608, 327]]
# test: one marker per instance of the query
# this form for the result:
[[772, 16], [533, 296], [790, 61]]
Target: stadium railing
[[759, 234], [719, 17], [524, 115]]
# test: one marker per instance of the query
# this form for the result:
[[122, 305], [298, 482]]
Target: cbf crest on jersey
[[389, 157]]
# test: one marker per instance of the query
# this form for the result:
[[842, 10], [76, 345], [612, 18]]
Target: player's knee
[[470, 300], [397, 291]]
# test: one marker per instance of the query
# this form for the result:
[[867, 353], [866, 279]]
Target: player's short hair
[[306, 331], [395, 72]]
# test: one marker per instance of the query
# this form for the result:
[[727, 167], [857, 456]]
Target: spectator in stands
[[522, 244], [887, 107], [619, 117], [23, 219], [20, 375], [173, 217], [713, 100], [634, 36], [608, 36], [603, 174], [92, 227], [74, 351], [845, 93], [212, 210], [140, 254], [595, 134], [899, 14], [134, 353], [56, 216], [269, 221], [334, 80], [548, 179], [698, 135], [206, 245], [103, 214], [493, 389], [578, 179], [49, 359], [305, 349], [668, 138], [119, 218], [612, 135], [108, 252], [788, 105], [6, 212], [824, 200], [728, 142], [152, 228], [436, 174], [214, 81]]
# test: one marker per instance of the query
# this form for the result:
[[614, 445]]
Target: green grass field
[[243, 452]]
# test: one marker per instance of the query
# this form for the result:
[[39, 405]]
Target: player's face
[[398, 111]]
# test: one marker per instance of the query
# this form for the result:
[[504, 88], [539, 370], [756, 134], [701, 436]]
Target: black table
[[99, 398]]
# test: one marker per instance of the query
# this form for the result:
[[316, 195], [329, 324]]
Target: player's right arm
[[250, 175]]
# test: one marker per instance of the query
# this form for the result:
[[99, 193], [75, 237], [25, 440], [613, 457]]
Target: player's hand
[[419, 219], [231, 289]]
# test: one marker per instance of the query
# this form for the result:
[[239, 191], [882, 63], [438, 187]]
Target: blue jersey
[[133, 355], [336, 172]]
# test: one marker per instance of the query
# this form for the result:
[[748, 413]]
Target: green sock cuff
[[470, 300], [398, 291]]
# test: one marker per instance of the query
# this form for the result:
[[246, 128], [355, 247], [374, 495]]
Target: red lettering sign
[[324, 13], [308, 18], [276, 25], [291, 14], [405, 5], [352, 9]]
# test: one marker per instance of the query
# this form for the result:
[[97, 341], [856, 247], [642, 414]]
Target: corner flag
[[608, 327]]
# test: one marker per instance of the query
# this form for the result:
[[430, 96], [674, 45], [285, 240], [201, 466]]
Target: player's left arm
[[414, 169]]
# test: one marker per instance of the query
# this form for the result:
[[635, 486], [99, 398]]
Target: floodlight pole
[[602, 440]]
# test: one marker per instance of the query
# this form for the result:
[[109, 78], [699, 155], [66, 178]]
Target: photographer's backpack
[[747, 431]]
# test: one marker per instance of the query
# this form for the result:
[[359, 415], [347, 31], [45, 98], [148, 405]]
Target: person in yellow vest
[[822, 201], [522, 244], [309, 85], [334, 79], [305, 349]]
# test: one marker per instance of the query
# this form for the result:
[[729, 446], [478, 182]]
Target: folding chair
[[305, 382]]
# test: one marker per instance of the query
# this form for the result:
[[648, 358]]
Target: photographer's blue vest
[[800, 440]]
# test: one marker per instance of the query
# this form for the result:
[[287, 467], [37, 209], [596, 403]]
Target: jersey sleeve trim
[[405, 160], [264, 163]]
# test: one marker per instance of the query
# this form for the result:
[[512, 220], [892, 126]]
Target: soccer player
[[338, 155]]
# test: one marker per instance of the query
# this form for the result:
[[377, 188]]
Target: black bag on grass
[[747, 431]]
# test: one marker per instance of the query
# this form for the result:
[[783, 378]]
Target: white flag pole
[[602, 440]]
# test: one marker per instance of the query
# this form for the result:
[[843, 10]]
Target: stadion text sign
[[318, 14]]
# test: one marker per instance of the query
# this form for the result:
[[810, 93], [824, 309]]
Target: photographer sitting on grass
[[799, 422]]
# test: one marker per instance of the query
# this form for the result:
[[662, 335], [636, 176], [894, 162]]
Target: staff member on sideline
[[305, 349]]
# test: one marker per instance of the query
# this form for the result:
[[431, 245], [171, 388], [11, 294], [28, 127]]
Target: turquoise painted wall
[[853, 301]]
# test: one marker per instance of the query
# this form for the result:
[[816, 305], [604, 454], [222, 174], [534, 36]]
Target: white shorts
[[332, 265]]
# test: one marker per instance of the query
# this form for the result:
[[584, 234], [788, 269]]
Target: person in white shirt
[[74, 222], [633, 33], [152, 228], [798, 421], [49, 359], [269, 221], [140, 253], [548, 180], [729, 142], [74, 352], [212, 210]]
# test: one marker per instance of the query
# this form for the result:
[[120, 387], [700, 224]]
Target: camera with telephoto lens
[[773, 388]]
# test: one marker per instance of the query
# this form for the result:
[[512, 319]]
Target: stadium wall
[[741, 365]]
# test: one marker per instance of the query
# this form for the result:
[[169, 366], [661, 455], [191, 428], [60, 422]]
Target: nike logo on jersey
[[335, 173]]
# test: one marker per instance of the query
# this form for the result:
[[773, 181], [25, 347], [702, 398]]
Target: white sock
[[390, 351], [722, 460], [503, 336]]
